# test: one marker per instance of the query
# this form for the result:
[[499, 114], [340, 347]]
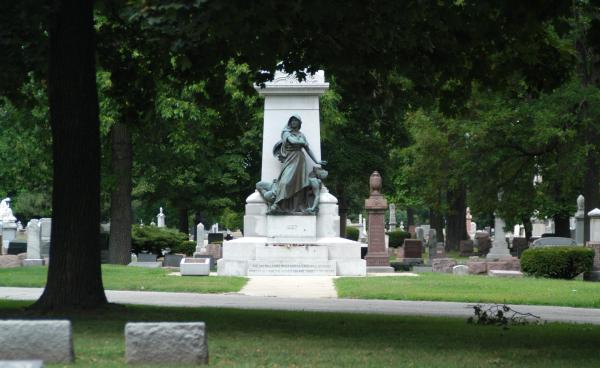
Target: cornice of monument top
[[283, 84]]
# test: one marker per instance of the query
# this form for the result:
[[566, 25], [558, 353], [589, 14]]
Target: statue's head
[[294, 123]]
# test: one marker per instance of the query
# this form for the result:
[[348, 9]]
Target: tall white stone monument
[[291, 244], [200, 247], [580, 220], [160, 218], [499, 246], [34, 257], [8, 224]]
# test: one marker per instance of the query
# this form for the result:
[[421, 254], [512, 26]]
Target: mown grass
[[445, 287], [255, 338], [131, 278]]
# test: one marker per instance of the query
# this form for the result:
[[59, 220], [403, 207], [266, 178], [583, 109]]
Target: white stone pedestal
[[291, 245]]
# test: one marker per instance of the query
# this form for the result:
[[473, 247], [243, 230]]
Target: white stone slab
[[460, 270], [291, 228], [32, 262], [291, 252], [231, 267], [146, 264], [341, 248], [166, 342], [292, 268], [195, 267], [21, 364], [48, 340], [503, 273], [242, 249], [349, 267]]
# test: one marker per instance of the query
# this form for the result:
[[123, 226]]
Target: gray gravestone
[[460, 270], [21, 364], [48, 340], [166, 342], [553, 242], [146, 257], [45, 234]]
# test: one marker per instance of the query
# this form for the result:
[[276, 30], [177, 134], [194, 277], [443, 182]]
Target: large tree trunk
[[456, 226], [528, 227], [121, 216], [74, 275]]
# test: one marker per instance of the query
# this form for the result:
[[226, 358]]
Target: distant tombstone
[[146, 257], [45, 234], [440, 250], [499, 246], [484, 243], [443, 265], [519, 245], [413, 248], [33, 239], [172, 260], [412, 229], [538, 227], [553, 242], [468, 218], [460, 270], [215, 238], [466, 248], [160, 218], [199, 238], [392, 217], [580, 220], [17, 247], [431, 243], [420, 233]]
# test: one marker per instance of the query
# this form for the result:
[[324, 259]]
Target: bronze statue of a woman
[[293, 192]]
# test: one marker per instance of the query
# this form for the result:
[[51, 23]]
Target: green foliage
[[396, 238], [186, 247], [352, 233], [557, 262], [154, 239], [231, 220]]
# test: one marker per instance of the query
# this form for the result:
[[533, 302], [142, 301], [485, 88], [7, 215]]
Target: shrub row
[[396, 238], [153, 239], [557, 262], [352, 233]]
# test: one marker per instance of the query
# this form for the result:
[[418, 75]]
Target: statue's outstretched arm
[[312, 156]]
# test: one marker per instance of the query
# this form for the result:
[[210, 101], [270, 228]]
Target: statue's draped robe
[[292, 183]]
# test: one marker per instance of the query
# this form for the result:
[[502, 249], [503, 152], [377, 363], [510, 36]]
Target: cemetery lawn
[[256, 338], [474, 289], [131, 278]]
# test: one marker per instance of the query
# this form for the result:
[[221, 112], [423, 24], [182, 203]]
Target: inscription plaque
[[291, 268]]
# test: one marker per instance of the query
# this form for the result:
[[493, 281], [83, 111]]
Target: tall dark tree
[[74, 276]]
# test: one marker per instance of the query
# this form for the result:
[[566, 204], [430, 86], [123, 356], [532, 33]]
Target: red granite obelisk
[[376, 205]]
